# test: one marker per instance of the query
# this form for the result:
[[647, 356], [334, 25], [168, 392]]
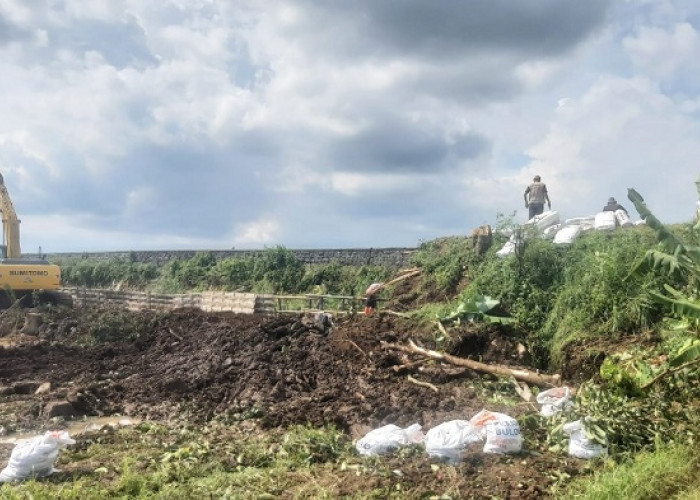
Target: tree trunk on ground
[[538, 379]]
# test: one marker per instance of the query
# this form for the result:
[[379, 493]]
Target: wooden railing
[[246, 303]]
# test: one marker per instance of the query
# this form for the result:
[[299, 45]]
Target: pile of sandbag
[[500, 434], [602, 221], [497, 433], [539, 224], [548, 225]]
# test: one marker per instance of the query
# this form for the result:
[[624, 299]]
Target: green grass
[[669, 472], [157, 462]]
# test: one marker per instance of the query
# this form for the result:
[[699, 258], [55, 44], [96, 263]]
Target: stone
[[59, 409], [43, 388]]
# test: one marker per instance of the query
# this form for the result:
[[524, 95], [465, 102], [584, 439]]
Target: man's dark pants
[[535, 209]]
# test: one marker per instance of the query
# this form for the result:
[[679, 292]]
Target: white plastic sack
[[35, 457], [448, 440], [588, 220], [554, 401], [507, 249], [388, 438], [623, 219], [579, 444], [551, 231], [567, 235], [373, 288], [544, 220], [501, 431], [605, 221]]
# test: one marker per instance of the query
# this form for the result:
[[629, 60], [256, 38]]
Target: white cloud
[[257, 234], [661, 52], [156, 123]]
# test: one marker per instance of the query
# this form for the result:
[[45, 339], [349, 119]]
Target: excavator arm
[[10, 223]]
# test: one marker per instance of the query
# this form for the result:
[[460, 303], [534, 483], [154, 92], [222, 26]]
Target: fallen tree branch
[[407, 367], [443, 330], [669, 372], [538, 379], [422, 384], [408, 274]]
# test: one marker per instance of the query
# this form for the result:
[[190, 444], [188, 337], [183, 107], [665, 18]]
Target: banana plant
[[674, 257]]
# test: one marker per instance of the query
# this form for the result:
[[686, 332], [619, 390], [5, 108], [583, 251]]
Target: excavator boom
[[21, 278], [10, 224]]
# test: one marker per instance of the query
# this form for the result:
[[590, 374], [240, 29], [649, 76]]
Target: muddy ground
[[193, 366]]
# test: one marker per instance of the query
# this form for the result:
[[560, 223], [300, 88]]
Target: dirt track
[[198, 366]]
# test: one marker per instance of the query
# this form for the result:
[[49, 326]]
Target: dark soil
[[284, 370]]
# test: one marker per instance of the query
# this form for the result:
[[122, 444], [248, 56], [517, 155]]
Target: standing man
[[535, 196]]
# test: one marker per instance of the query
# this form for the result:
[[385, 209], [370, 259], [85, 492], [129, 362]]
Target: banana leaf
[[476, 311]]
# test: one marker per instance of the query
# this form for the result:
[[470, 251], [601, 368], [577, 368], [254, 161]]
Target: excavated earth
[[284, 370]]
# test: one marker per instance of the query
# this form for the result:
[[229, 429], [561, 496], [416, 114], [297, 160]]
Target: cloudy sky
[[211, 124]]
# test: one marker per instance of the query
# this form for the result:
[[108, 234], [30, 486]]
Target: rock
[[59, 409], [43, 388], [25, 387]]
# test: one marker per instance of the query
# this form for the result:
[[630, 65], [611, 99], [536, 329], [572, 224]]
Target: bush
[[445, 262], [560, 293]]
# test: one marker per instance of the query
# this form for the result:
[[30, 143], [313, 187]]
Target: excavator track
[[33, 299], [57, 298]]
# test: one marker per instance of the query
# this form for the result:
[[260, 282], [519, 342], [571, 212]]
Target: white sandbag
[[35, 457], [448, 440], [373, 288], [623, 220], [579, 444], [567, 235], [554, 401], [501, 431], [544, 220], [640, 223], [388, 438], [507, 249], [588, 220], [551, 231], [605, 221]]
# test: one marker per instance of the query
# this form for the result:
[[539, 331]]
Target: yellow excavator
[[23, 280]]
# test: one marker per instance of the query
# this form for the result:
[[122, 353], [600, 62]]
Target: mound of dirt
[[283, 369]]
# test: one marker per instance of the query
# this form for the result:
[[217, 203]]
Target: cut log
[[538, 379]]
